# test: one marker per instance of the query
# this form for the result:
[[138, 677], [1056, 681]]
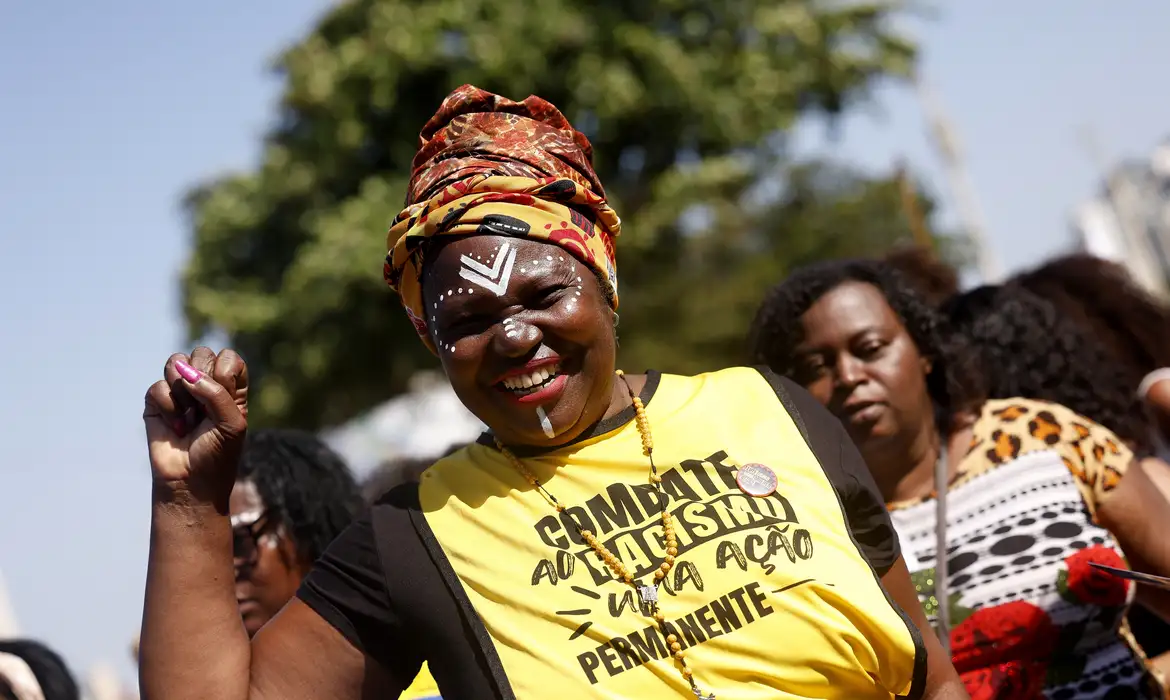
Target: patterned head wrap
[[488, 165]]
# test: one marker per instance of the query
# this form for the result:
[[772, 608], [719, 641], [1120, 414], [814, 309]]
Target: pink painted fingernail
[[187, 372]]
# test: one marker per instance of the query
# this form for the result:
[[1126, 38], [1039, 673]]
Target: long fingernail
[[187, 372]]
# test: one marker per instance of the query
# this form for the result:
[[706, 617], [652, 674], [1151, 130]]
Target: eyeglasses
[[247, 531]]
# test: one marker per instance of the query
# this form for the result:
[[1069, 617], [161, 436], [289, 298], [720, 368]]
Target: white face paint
[[495, 278], [495, 275], [545, 423]]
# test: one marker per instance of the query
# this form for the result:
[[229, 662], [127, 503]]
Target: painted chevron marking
[[495, 278]]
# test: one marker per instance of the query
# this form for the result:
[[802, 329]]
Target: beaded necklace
[[647, 593]]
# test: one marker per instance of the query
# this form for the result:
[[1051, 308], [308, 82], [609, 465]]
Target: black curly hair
[[936, 280], [953, 382], [1026, 348], [51, 672], [305, 485], [1101, 297]]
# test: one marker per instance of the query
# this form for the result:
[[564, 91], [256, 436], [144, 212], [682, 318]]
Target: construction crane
[[946, 143]]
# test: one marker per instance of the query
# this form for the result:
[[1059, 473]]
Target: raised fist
[[196, 418]]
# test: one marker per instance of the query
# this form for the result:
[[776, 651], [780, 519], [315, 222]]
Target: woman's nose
[[850, 371], [516, 337]]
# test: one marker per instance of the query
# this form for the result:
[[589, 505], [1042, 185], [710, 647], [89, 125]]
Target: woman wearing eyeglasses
[[293, 496]]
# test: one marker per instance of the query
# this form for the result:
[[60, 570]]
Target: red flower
[[1008, 633], [1093, 586], [1015, 680]]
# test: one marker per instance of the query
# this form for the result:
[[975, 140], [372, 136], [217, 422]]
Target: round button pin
[[756, 480]]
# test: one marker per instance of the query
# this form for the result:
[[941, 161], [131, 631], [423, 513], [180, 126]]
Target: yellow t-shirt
[[423, 687], [771, 597]]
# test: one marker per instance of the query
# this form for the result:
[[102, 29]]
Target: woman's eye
[[810, 367], [870, 348], [550, 296], [469, 325]]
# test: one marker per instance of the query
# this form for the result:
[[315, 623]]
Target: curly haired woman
[[1032, 494], [1025, 347]]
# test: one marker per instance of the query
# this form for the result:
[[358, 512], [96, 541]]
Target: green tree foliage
[[677, 97], [691, 310]]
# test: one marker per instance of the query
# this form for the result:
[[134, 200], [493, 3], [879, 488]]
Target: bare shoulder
[[300, 656], [1157, 394]]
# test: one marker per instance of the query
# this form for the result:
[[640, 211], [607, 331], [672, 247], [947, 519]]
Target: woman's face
[[860, 362], [268, 570], [524, 334]]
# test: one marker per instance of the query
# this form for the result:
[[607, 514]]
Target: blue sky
[[111, 110]]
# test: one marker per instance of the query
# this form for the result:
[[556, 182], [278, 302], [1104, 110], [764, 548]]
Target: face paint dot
[[548, 257], [578, 279], [523, 270], [561, 258], [461, 290], [449, 292], [440, 297], [577, 293], [469, 291]]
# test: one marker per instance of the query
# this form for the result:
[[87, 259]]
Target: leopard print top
[[1009, 428], [1030, 617]]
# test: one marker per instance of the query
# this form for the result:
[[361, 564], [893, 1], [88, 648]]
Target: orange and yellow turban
[[488, 165]]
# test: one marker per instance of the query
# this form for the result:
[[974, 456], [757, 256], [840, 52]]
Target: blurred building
[[1129, 222], [423, 422]]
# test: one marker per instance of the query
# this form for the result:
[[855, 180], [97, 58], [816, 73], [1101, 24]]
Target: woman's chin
[[530, 431], [547, 417], [872, 434]]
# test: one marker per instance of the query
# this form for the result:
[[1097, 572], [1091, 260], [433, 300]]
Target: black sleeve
[[346, 587], [865, 511]]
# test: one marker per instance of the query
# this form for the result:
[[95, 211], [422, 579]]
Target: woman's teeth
[[533, 381]]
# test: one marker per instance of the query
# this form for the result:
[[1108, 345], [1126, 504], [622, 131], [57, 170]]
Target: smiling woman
[[612, 536], [548, 299]]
